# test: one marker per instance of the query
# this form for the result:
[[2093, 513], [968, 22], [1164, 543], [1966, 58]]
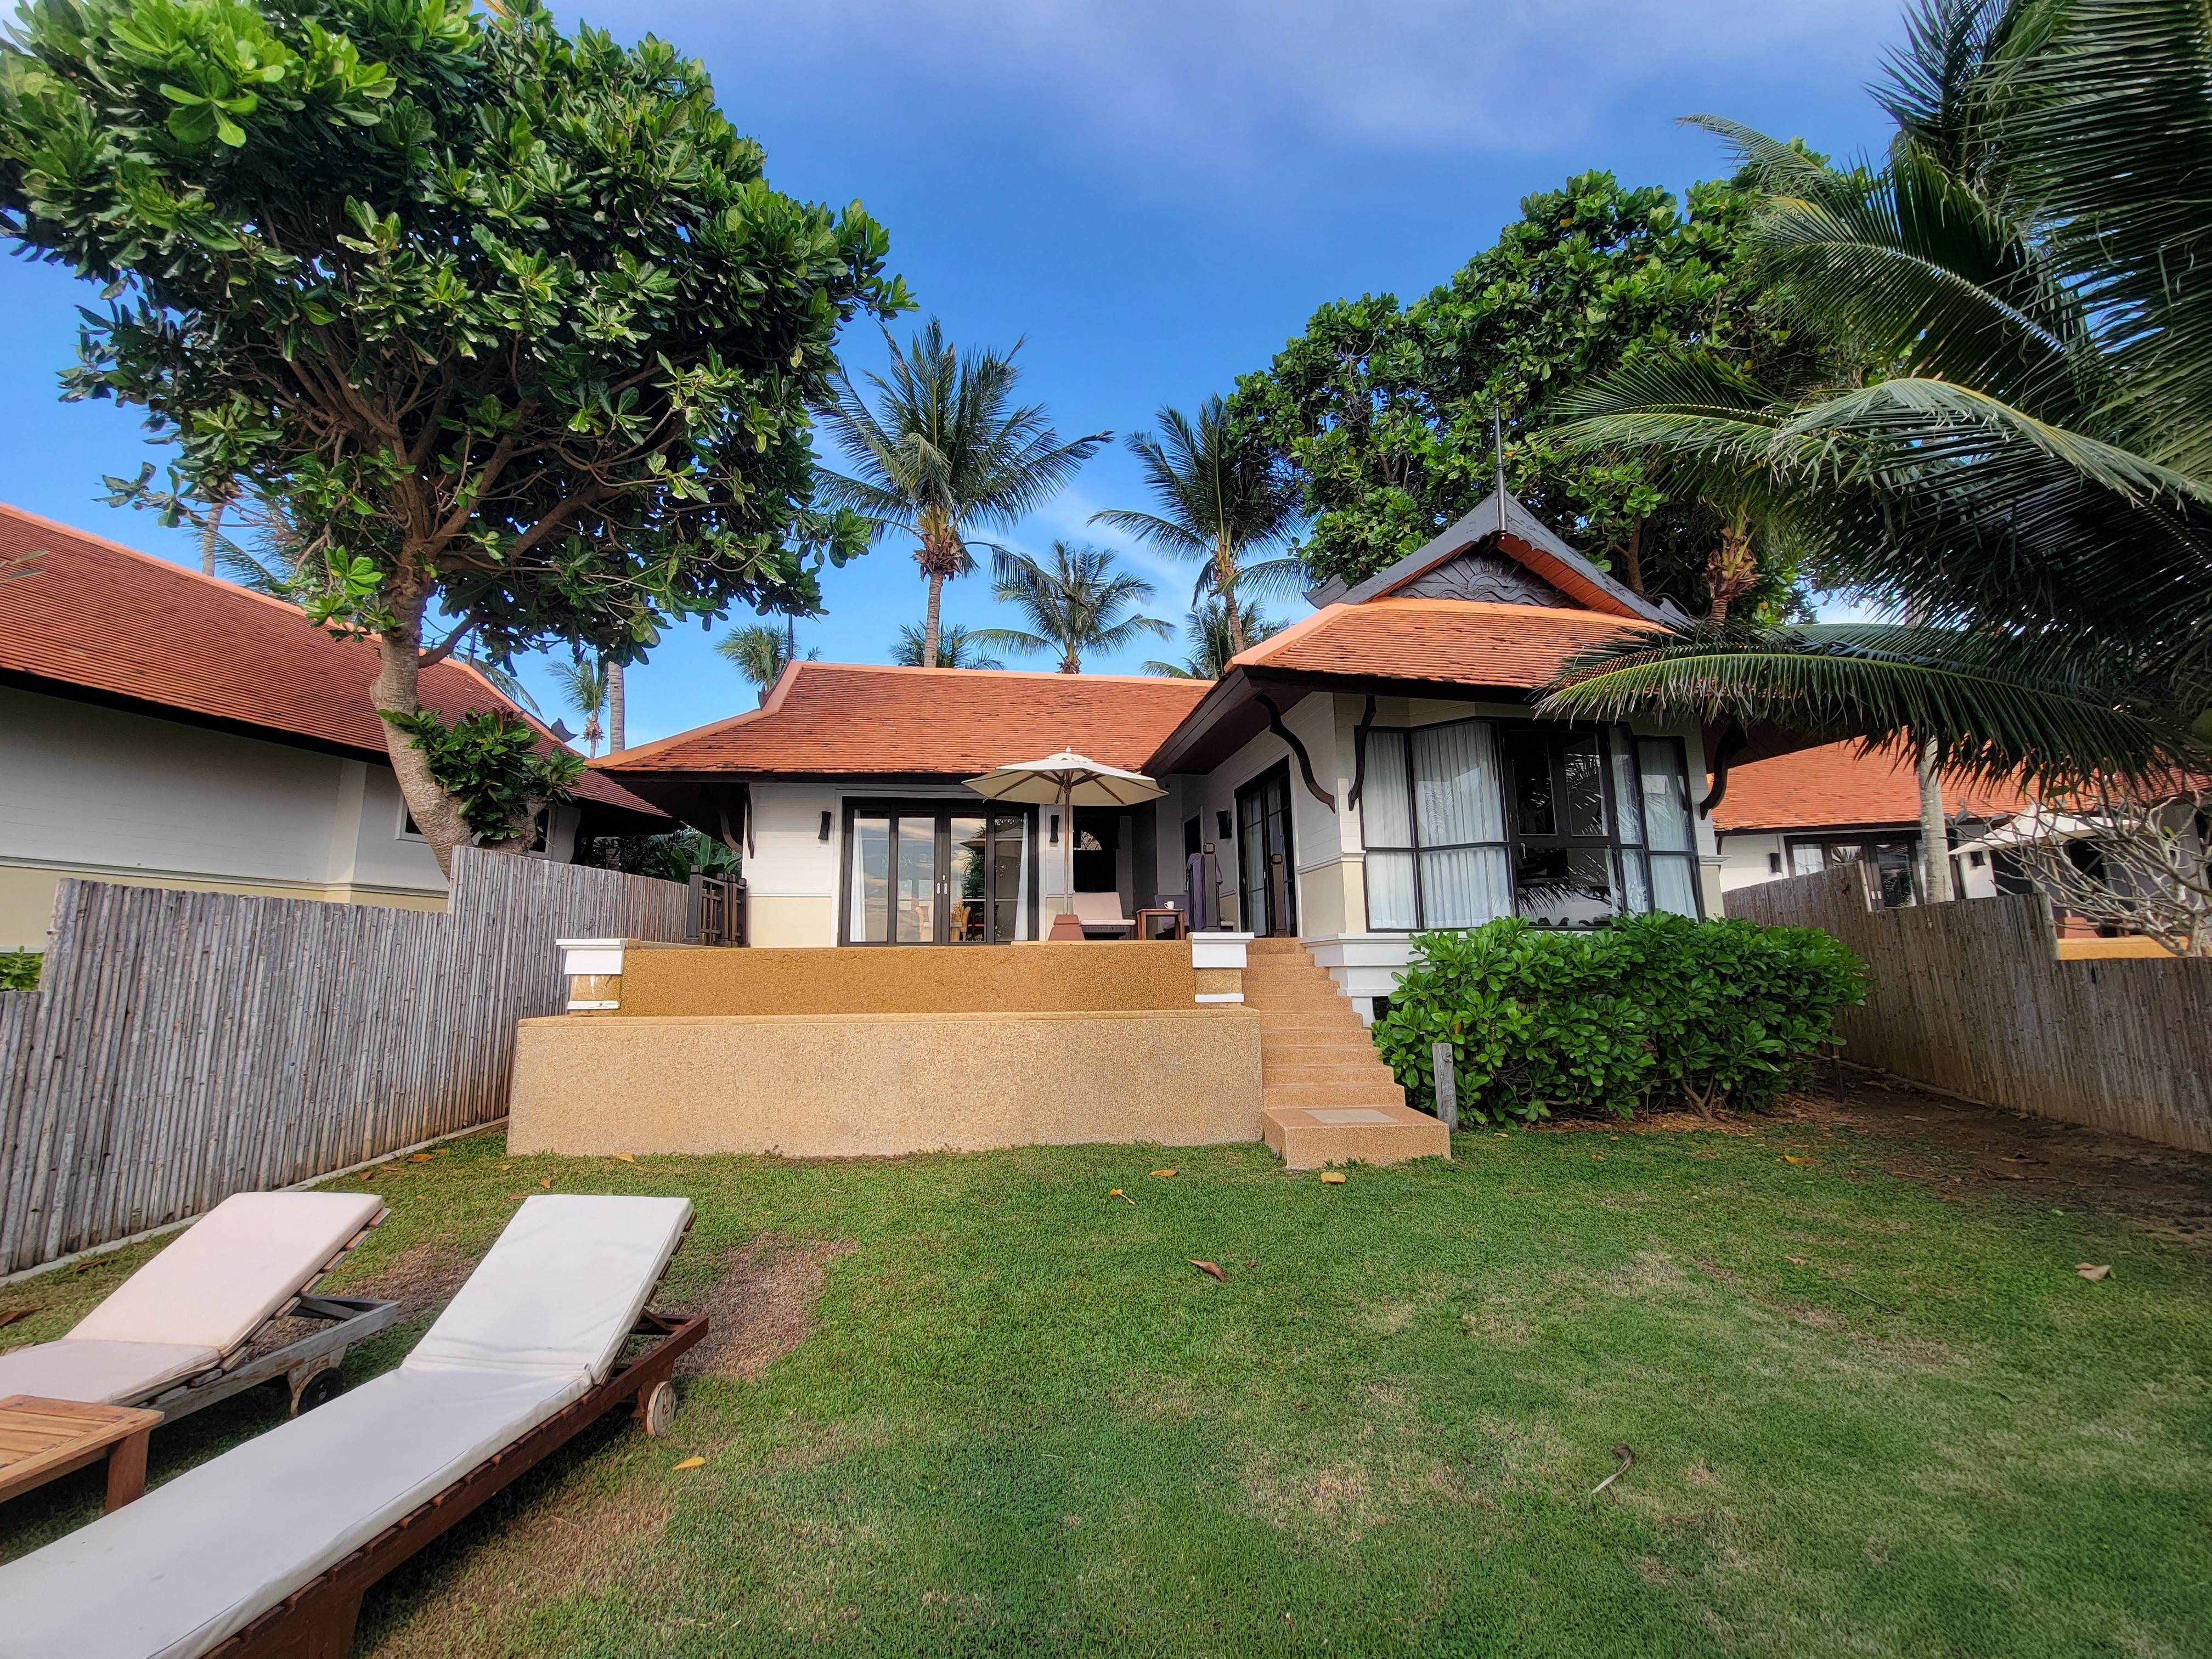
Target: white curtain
[[1390, 890], [1456, 797], [1666, 796], [1465, 887], [1386, 811]]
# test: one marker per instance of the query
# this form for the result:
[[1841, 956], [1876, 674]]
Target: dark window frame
[[943, 811], [1615, 743]]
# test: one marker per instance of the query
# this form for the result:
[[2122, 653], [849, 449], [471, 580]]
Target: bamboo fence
[[184, 1046], [1971, 998]]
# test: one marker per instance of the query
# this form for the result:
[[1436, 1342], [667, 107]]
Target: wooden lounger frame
[[316, 1621]]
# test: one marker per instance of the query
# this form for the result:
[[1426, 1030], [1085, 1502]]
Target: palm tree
[[957, 647], [584, 687], [761, 652], [945, 450], [1210, 643], [2031, 487], [1222, 499], [1075, 604]]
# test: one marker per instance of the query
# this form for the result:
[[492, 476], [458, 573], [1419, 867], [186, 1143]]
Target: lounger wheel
[[319, 1390], [659, 1408]]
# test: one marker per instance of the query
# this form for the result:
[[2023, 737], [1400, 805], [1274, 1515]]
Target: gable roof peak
[[1500, 521]]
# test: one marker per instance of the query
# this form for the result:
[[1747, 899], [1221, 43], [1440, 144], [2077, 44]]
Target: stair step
[[1309, 1138], [1353, 1075], [1383, 1093], [1308, 1024]]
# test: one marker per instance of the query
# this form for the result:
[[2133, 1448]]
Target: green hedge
[[19, 970], [1653, 1011]]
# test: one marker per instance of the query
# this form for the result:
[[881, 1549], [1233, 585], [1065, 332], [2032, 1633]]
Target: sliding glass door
[[927, 873]]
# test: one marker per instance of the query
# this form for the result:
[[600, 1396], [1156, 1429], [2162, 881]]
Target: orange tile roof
[[1836, 784], [1448, 641], [858, 719], [79, 611]]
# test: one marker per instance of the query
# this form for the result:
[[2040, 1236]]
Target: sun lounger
[[1101, 913], [179, 1334], [267, 1549]]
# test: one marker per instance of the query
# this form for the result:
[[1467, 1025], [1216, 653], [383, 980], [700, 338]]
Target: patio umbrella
[[1066, 779]]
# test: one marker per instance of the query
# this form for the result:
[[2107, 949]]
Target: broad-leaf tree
[[1226, 500], [1073, 602], [1385, 410], [510, 322], [2033, 484], [941, 450]]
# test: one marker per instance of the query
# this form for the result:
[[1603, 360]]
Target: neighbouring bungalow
[[159, 728], [1794, 814], [1373, 770]]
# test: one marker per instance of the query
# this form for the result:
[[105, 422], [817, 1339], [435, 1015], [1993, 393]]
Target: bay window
[[1475, 819]]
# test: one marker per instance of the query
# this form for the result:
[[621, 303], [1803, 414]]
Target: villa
[[1371, 771]]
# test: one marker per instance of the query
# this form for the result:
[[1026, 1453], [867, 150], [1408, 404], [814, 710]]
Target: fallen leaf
[[1786, 1158], [1115, 1192], [367, 1174], [1163, 1172], [1332, 1178], [1212, 1267], [2092, 1272], [1795, 1260], [624, 1158], [420, 1157], [547, 1183], [14, 1313], [504, 1168], [693, 1463]]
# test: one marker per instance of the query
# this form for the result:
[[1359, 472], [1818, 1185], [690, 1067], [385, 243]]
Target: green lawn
[[1865, 1421]]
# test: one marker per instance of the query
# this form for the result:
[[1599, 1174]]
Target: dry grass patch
[[762, 1307]]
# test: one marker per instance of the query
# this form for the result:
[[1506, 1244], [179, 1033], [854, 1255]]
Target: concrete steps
[[1326, 1095]]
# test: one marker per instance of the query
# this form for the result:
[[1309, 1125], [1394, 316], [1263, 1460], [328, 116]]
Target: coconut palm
[[2033, 485], [583, 685], [1075, 603], [761, 652], [944, 451], [1211, 645], [957, 647], [1222, 499]]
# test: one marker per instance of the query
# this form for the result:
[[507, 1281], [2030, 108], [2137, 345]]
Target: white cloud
[[1275, 85]]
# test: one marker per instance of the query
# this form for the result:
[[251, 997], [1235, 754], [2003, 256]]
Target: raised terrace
[[811, 1053]]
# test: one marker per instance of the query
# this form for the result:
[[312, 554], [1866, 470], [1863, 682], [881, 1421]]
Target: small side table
[[43, 1439], [1174, 916]]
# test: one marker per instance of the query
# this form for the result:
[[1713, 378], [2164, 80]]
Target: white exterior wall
[[791, 872], [1745, 862], [106, 795]]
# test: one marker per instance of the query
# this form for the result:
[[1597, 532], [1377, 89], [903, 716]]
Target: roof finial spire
[[1497, 448]]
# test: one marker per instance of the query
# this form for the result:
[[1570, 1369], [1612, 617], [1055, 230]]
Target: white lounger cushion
[[541, 1320], [561, 1289], [104, 1373], [200, 1558], [233, 1269]]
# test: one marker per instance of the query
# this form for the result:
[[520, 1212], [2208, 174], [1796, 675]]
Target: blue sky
[[1153, 196]]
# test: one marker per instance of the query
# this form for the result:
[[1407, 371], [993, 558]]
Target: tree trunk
[[614, 688], [394, 691], [1225, 583], [211, 538], [1935, 833], [929, 628], [1633, 557], [1730, 572]]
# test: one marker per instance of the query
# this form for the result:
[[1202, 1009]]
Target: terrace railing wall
[[184, 1046], [1971, 998]]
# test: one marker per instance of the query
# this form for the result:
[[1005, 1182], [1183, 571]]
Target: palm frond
[[1994, 706]]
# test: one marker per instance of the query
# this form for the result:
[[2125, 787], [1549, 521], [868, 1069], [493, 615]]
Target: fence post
[[1440, 1058]]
